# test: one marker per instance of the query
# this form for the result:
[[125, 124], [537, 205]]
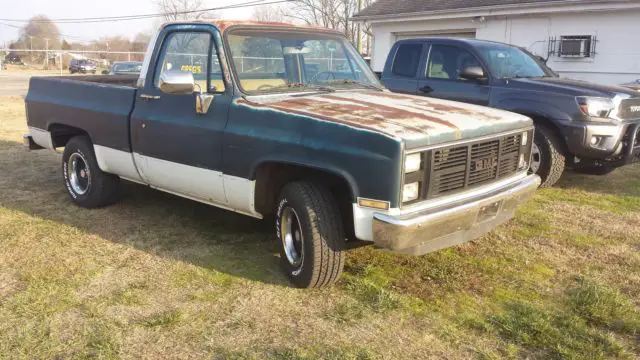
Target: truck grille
[[629, 109], [461, 167]]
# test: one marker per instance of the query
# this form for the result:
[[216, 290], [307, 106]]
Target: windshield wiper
[[355, 82], [303, 85]]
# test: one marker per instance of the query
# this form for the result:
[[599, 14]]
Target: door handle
[[426, 89], [149, 97]]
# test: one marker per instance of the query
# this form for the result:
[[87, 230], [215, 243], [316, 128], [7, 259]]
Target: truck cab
[[589, 127], [279, 121]]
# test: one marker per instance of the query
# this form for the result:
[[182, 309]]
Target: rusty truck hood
[[418, 121]]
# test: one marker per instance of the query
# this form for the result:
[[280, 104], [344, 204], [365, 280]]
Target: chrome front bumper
[[450, 224]]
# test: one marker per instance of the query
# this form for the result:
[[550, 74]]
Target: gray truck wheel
[[310, 235], [547, 160], [87, 185]]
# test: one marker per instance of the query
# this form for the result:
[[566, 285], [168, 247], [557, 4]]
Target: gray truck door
[[440, 79], [176, 149], [404, 69]]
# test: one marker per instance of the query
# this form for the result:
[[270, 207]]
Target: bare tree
[[183, 9], [268, 13], [334, 14], [139, 44], [39, 33]]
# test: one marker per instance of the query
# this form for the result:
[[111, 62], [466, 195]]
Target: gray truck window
[[447, 62], [406, 60], [189, 52], [508, 62]]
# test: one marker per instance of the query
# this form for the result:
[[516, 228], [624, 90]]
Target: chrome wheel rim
[[535, 159], [78, 174], [291, 235]]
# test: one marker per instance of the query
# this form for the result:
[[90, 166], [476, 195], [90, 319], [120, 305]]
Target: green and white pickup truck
[[273, 119]]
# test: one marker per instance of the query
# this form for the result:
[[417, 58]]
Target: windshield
[[132, 67], [266, 62], [507, 62]]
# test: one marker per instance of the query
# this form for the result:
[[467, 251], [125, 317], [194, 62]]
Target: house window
[[577, 46]]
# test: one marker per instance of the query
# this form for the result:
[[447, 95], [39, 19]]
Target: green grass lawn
[[157, 276]]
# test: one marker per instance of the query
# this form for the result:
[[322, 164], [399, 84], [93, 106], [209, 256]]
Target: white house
[[594, 40]]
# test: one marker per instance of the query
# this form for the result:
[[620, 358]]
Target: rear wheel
[[87, 185], [310, 235], [547, 160]]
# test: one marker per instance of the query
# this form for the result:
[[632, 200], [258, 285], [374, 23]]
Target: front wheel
[[87, 185], [547, 160], [310, 235]]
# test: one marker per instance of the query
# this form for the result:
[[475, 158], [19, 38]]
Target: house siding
[[618, 48]]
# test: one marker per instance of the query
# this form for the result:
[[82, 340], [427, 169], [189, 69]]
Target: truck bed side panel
[[102, 110]]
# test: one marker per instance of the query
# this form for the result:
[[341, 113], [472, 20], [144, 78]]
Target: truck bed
[[98, 104]]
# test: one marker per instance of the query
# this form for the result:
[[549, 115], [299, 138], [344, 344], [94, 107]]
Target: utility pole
[[359, 29], [31, 48], [46, 54]]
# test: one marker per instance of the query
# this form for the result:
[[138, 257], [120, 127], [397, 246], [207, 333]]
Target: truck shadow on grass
[[149, 220], [621, 182]]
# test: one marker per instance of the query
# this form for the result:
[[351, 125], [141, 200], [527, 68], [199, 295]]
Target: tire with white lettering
[[310, 235], [547, 161], [86, 184]]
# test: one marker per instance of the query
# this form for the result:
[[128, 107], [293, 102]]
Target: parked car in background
[[590, 127], [633, 85], [329, 153], [14, 59], [126, 68], [82, 66]]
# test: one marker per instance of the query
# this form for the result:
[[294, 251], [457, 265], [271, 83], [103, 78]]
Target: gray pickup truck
[[272, 119]]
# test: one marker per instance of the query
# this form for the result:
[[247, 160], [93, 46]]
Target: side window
[[189, 52], [447, 62], [406, 60]]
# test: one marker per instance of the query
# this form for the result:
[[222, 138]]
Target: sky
[[25, 9]]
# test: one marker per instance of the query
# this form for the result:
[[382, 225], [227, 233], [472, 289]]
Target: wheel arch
[[62, 133], [271, 176]]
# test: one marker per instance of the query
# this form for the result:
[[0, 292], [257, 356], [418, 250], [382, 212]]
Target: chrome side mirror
[[177, 82], [474, 73]]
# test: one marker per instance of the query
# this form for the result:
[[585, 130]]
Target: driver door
[[441, 77], [175, 148]]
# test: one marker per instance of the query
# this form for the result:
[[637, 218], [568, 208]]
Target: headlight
[[412, 163], [595, 106], [525, 138], [410, 192]]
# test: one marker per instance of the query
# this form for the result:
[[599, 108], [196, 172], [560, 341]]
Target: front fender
[[368, 161]]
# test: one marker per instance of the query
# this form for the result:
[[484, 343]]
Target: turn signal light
[[375, 204]]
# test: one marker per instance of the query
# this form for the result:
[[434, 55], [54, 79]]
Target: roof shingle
[[395, 7]]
